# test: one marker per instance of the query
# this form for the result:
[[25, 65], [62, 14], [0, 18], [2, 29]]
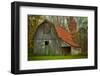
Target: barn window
[[46, 42]]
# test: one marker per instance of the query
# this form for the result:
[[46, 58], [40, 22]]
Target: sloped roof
[[65, 36], [62, 34]]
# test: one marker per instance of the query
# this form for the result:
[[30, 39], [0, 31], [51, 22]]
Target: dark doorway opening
[[66, 50]]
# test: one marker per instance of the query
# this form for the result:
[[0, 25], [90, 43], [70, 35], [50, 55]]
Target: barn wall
[[75, 51]]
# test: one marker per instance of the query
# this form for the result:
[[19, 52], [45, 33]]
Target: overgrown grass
[[56, 57], [31, 57]]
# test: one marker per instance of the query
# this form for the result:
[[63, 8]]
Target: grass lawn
[[56, 57]]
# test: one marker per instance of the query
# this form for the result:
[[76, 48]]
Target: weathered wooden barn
[[52, 40]]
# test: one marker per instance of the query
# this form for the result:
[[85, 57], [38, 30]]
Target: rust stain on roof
[[65, 36]]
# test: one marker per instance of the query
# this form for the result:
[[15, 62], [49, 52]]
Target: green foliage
[[82, 22], [57, 57], [80, 36], [33, 23], [83, 39]]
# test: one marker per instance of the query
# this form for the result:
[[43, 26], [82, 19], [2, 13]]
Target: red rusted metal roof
[[65, 36]]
